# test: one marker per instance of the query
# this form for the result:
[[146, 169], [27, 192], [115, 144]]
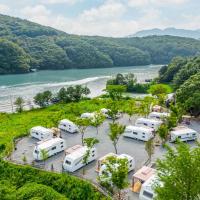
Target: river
[[27, 85]]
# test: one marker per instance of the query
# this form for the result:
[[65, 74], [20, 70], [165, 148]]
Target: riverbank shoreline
[[94, 80]]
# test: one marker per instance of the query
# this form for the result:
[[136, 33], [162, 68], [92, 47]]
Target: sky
[[114, 18]]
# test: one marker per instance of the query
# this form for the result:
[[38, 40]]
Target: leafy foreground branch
[[180, 174]]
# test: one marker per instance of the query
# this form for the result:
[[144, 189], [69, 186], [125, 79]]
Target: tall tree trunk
[[82, 138], [115, 146], [97, 130]]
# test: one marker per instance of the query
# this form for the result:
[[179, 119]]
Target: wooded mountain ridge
[[25, 45], [168, 31]]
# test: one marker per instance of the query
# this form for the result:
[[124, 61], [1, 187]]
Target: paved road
[[126, 145]]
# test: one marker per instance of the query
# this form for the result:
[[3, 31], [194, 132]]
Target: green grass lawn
[[16, 125]]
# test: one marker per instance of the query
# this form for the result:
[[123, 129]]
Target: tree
[[163, 132], [113, 110], [19, 102], [89, 143], [62, 95], [149, 147], [44, 155], [82, 124], [97, 120], [145, 106], [115, 91], [47, 95], [116, 130], [75, 93], [131, 108], [179, 173], [42, 99], [188, 94], [159, 89], [115, 177]]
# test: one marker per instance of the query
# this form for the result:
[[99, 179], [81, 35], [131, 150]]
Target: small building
[[186, 119], [68, 126], [151, 123], [141, 176], [41, 133], [139, 133], [183, 133], [74, 157], [157, 108], [50, 147]]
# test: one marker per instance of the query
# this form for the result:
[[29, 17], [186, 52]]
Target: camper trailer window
[[53, 148], [145, 124], [62, 146], [68, 162], [36, 151], [61, 143], [36, 133], [148, 194], [93, 151], [179, 136], [92, 155], [143, 133], [134, 133], [194, 134]]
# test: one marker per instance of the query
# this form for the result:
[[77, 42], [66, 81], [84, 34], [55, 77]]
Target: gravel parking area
[[134, 148]]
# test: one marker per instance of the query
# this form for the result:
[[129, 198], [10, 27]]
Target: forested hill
[[25, 45]]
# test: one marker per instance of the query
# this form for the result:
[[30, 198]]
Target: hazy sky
[[106, 17]]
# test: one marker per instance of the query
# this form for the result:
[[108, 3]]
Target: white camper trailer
[[183, 134], [147, 189], [74, 157], [158, 115], [68, 126], [52, 147], [105, 112], [41, 133], [88, 115], [151, 123], [139, 133]]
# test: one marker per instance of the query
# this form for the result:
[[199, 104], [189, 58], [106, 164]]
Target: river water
[[27, 85]]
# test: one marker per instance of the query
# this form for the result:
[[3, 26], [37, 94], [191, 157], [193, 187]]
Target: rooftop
[[140, 128], [48, 143], [42, 129], [182, 130], [149, 120], [79, 152], [144, 173]]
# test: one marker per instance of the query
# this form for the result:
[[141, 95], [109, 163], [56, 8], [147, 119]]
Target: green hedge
[[59, 185]]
